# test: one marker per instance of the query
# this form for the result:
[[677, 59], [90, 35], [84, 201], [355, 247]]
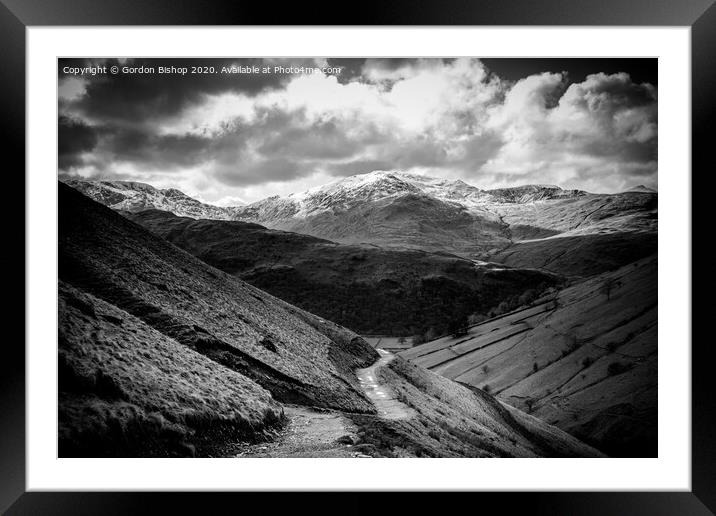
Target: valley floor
[[309, 433], [401, 429], [326, 433]]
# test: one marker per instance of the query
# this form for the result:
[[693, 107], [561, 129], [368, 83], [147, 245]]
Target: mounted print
[[357, 257]]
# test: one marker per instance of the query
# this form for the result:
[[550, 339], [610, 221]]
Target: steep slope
[[409, 220], [580, 255], [452, 420], [162, 355], [133, 197], [582, 214], [585, 361], [127, 389], [190, 309], [580, 236], [369, 289]]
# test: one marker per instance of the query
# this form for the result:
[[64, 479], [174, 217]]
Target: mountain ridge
[[405, 210], [133, 196]]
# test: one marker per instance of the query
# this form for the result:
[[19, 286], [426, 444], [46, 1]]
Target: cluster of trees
[[429, 309], [432, 308], [523, 299], [459, 323]]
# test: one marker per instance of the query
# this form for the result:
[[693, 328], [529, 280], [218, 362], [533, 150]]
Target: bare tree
[[608, 286]]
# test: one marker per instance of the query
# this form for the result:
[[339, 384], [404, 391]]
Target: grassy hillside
[[127, 389], [587, 214], [585, 361], [580, 236], [580, 255], [369, 289], [173, 304], [454, 421], [412, 220]]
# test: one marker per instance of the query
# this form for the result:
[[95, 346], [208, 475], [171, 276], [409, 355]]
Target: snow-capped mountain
[[399, 209], [641, 189], [531, 193], [134, 197], [391, 208], [349, 192]]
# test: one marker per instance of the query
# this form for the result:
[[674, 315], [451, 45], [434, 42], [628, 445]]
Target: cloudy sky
[[229, 138]]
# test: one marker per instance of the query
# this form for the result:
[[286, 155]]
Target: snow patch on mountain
[[350, 191], [641, 189], [134, 197], [345, 193]]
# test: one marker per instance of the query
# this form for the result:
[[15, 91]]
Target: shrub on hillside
[[527, 297], [476, 318], [431, 334], [458, 326], [608, 287], [529, 404], [616, 368]]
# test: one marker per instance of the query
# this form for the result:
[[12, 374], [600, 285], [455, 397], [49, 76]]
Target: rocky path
[[382, 396], [310, 433], [316, 433]]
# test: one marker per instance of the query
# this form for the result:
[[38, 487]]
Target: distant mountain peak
[[642, 189], [531, 193], [132, 196], [373, 186]]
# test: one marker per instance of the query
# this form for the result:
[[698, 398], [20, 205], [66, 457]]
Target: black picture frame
[[700, 15]]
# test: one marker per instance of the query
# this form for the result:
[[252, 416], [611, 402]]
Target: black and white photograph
[[357, 257]]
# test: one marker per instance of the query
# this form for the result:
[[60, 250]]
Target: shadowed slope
[[366, 288], [199, 311], [580, 255]]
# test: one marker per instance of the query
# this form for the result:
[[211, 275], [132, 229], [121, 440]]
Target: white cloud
[[450, 118], [600, 133]]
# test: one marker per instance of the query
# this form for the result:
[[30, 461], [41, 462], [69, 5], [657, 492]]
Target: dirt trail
[[382, 396], [310, 433], [325, 433]]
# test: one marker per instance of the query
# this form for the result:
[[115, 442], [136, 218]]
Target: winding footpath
[[382, 395], [328, 433]]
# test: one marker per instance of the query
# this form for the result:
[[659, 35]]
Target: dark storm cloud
[[321, 139], [479, 149], [351, 68], [155, 151], [111, 145], [421, 152], [623, 151], [641, 70], [74, 137], [358, 166], [261, 171]]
